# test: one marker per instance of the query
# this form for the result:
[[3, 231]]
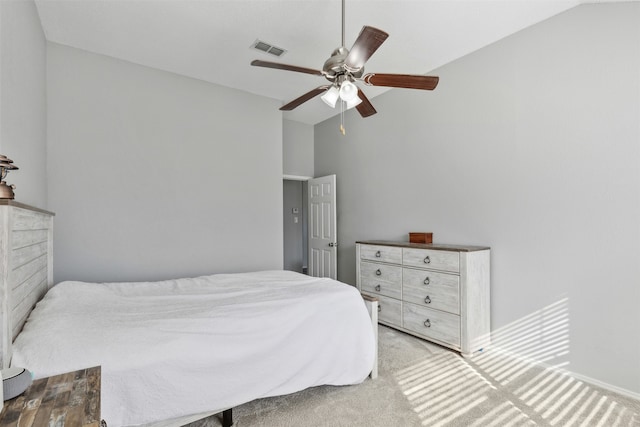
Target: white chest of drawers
[[436, 292]]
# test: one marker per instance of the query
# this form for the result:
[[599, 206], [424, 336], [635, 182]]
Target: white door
[[323, 244]]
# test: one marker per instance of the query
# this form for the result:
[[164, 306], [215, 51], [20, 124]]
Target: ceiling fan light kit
[[348, 91], [354, 102], [344, 67], [331, 96]]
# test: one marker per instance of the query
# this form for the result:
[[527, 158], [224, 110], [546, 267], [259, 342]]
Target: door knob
[[333, 244]]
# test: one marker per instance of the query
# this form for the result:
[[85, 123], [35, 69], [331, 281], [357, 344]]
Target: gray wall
[[153, 175], [23, 118], [531, 146], [297, 150]]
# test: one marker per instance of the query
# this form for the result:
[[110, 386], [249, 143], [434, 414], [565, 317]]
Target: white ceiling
[[210, 39]]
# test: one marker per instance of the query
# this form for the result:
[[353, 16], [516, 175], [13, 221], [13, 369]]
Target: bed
[[179, 350], [179, 347]]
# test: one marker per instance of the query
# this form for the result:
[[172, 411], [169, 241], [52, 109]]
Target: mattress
[[178, 347]]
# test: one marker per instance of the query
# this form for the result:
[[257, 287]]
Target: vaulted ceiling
[[211, 40]]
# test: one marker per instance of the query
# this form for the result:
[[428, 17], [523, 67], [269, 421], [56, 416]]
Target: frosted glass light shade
[[348, 91], [353, 103], [330, 97]]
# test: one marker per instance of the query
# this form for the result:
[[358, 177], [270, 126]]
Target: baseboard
[[606, 386], [584, 378]]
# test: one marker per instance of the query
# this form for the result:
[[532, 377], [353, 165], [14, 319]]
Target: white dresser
[[436, 292]]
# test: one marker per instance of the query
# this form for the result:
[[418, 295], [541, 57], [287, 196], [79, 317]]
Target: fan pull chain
[[342, 130]]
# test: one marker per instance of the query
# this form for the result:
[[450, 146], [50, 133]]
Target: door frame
[[296, 177]]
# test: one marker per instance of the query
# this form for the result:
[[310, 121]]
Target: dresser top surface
[[10, 202], [432, 246]]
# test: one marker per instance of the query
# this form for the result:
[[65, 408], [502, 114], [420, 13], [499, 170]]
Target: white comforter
[[180, 347]]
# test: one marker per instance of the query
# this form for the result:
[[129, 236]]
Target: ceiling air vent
[[268, 48]]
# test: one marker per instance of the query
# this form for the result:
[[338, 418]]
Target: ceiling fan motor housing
[[334, 66]]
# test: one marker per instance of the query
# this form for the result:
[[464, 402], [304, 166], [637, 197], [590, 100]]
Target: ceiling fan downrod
[[334, 67], [342, 23]]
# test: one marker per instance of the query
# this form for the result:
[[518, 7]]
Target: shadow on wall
[[519, 381]]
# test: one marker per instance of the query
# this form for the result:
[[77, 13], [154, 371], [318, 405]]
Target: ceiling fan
[[345, 67]]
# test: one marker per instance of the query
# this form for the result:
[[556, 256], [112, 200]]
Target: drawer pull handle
[[378, 272], [379, 308], [427, 260], [378, 288], [427, 323], [378, 254], [427, 281], [427, 300]]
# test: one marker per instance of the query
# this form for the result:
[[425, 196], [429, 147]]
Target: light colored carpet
[[422, 384]]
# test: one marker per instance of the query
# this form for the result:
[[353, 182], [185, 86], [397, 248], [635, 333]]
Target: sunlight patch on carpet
[[521, 380]]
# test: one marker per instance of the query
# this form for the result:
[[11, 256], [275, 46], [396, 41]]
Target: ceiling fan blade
[[365, 108], [408, 81], [368, 41], [304, 98], [278, 66]]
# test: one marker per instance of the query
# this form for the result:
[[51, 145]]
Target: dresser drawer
[[380, 272], [381, 279], [390, 311], [433, 324], [432, 289], [388, 254], [380, 287], [427, 258]]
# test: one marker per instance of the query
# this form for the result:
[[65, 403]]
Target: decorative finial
[[6, 165]]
